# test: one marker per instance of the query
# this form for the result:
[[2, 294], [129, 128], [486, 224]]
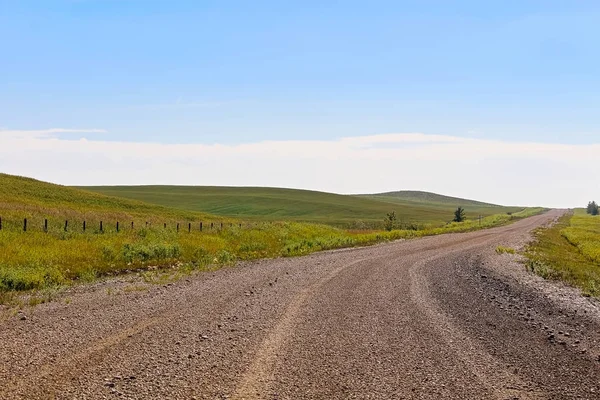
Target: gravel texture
[[441, 317]]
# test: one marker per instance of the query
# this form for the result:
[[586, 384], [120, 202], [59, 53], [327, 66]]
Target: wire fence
[[102, 226]]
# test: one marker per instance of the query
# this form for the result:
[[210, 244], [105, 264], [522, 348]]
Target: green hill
[[427, 197], [38, 258], [304, 205], [22, 197], [437, 205]]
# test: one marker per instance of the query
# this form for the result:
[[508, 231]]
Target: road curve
[[441, 317]]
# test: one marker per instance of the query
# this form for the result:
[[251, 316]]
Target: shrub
[[390, 221], [224, 257], [140, 252], [459, 215], [592, 208]]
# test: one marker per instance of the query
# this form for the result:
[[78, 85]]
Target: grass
[[42, 261], [505, 250], [427, 198], [362, 212], [569, 251], [25, 196]]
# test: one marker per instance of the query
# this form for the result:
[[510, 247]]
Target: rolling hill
[[36, 200], [47, 256], [427, 197], [305, 205]]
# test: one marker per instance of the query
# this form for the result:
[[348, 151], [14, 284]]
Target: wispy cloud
[[42, 133], [493, 171]]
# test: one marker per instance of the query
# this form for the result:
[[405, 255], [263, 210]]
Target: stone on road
[[441, 317]]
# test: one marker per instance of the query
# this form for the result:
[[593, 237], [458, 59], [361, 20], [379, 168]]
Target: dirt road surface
[[441, 317]]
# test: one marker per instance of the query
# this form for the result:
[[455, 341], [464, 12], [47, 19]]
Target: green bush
[[141, 252], [225, 258]]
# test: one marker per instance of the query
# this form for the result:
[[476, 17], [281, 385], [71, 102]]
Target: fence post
[[131, 225], [66, 224], [165, 225], [146, 224], [46, 225], [101, 230], [221, 225], [84, 226], [178, 227], [200, 226], [117, 226], [25, 225], [0, 223], [211, 225], [189, 227]]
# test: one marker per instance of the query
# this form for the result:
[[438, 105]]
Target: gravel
[[439, 317]]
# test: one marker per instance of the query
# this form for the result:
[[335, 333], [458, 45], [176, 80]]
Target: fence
[[84, 226]]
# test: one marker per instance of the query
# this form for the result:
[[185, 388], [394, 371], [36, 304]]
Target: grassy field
[[37, 259], [21, 196], [366, 211], [569, 251], [413, 196]]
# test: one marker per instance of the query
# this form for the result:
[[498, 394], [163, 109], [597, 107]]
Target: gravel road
[[441, 317]]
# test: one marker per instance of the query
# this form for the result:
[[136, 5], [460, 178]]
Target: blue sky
[[338, 96], [236, 72]]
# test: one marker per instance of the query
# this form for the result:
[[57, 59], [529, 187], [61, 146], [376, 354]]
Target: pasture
[[39, 258], [414, 209]]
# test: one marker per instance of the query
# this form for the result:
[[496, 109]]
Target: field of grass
[[37, 259], [569, 251], [20, 196], [413, 196], [365, 211]]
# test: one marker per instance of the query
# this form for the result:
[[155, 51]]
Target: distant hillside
[[54, 235], [22, 197], [427, 197], [299, 205]]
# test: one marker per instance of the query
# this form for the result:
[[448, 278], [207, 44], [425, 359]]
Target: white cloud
[[555, 175], [42, 133]]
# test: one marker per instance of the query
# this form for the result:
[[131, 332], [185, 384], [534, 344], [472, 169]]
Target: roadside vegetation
[[38, 259], [569, 251], [505, 250], [459, 215]]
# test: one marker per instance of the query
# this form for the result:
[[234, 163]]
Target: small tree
[[459, 215], [390, 221], [592, 208]]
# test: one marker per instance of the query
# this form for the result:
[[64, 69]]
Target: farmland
[[38, 259], [412, 208]]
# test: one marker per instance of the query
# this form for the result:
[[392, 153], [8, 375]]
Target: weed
[[34, 301], [135, 288], [505, 250], [224, 257]]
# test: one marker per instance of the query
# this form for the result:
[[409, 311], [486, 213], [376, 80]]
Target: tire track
[[484, 366], [360, 323], [255, 382]]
